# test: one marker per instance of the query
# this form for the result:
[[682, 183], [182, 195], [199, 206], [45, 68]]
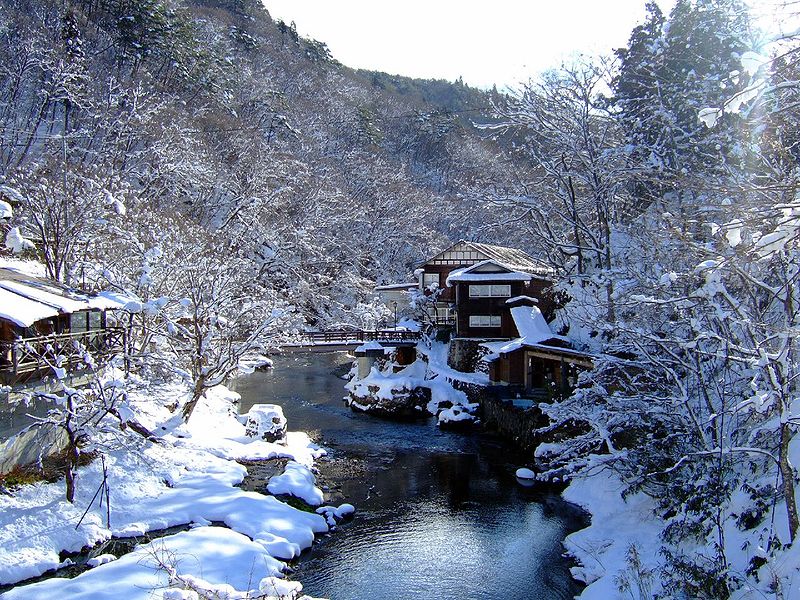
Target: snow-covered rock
[[103, 559], [266, 422], [457, 417], [296, 480], [523, 473]]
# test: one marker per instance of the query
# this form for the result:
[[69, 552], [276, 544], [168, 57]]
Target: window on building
[[490, 291], [430, 278], [95, 320], [79, 322], [484, 321]]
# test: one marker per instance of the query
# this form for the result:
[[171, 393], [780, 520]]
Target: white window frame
[[486, 290], [492, 321]]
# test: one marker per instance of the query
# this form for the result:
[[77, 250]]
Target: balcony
[[28, 359]]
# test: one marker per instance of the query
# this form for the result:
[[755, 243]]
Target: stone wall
[[465, 355], [512, 423]]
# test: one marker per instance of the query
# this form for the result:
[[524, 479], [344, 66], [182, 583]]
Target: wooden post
[[14, 359]]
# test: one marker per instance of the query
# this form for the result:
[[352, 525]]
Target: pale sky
[[501, 42]]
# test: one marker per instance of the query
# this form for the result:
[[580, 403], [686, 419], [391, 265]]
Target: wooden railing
[[349, 337], [25, 358]]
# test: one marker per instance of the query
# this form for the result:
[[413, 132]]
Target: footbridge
[[343, 340]]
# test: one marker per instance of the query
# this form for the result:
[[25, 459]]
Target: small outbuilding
[[538, 362]]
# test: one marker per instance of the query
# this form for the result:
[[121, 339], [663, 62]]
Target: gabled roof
[[478, 272], [25, 299], [513, 257]]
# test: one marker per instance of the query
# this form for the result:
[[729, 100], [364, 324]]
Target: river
[[439, 514]]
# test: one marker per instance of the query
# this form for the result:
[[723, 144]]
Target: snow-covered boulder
[[397, 402], [523, 473], [296, 480], [266, 422], [457, 417], [402, 395]]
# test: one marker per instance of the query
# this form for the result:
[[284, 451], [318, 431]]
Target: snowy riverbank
[[190, 477]]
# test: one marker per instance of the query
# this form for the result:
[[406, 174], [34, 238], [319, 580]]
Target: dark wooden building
[[537, 360], [469, 298]]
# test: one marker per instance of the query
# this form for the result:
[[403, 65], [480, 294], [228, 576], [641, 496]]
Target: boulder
[[399, 403], [266, 422]]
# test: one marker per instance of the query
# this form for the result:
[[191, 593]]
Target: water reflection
[[440, 515]]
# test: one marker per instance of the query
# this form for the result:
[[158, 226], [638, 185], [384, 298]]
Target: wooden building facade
[[468, 298]]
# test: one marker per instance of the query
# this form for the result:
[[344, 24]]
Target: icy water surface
[[439, 515]]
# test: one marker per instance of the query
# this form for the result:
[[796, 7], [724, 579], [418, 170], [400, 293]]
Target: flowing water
[[440, 515]]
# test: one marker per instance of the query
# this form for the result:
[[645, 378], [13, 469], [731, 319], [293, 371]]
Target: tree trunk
[[787, 481], [72, 453], [197, 393]]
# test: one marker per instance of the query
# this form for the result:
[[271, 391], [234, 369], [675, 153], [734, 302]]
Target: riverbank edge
[[184, 453]]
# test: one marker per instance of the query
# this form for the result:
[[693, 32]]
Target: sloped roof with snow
[[534, 332], [25, 298], [514, 258], [464, 253], [486, 270], [388, 287]]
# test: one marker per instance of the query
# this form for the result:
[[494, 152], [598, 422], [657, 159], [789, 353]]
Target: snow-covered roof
[[522, 299], [533, 332], [478, 272], [25, 299], [21, 311], [515, 258]]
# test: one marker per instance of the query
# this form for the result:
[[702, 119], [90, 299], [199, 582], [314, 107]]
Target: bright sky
[[501, 42]]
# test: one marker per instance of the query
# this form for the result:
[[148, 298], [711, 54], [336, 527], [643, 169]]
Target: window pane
[[95, 321], [78, 322], [501, 291], [429, 278], [484, 321]]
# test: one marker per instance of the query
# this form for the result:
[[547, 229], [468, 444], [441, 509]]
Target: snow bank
[[212, 559], [602, 548], [297, 480], [189, 478]]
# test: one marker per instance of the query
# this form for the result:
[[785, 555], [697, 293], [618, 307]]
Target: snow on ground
[[617, 524], [213, 559], [29, 267], [436, 355], [189, 478], [602, 548]]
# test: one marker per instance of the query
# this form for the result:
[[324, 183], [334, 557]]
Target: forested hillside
[[139, 133], [207, 159]]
